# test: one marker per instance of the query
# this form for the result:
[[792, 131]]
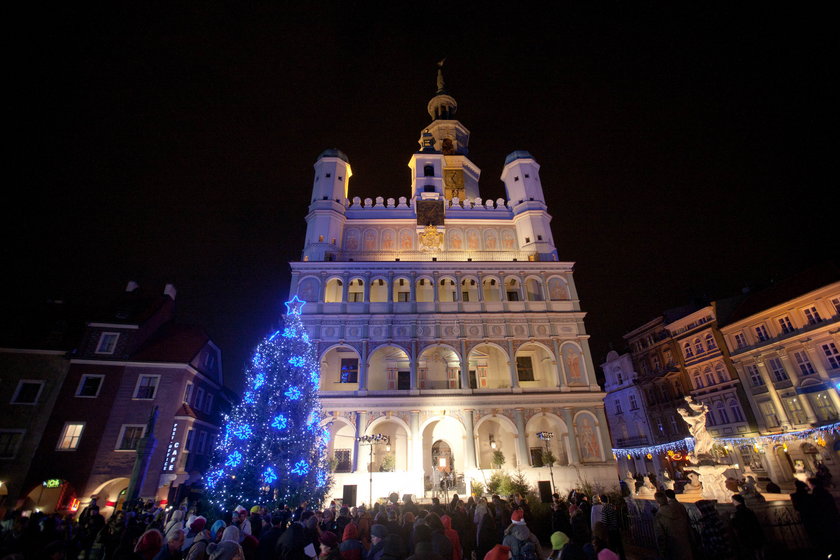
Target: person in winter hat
[[194, 527], [228, 548], [351, 547], [149, 544], [198, 549], [498, 552], [329, 546], [520, 539]]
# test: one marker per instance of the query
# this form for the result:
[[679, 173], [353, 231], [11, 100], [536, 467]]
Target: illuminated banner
[[172, 451]]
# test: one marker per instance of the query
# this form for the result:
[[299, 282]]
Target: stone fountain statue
[[711, 473]]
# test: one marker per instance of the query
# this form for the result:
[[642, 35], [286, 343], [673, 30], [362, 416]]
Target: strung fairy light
[[817, 434], [273, 450]]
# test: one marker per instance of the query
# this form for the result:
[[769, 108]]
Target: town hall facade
[[447, 329]]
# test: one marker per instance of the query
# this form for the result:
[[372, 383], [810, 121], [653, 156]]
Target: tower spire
[[441, 87]]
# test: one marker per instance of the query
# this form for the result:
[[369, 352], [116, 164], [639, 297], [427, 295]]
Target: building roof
[[788, 289], [173, 342]]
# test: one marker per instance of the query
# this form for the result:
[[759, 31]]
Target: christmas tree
[[272, 449]]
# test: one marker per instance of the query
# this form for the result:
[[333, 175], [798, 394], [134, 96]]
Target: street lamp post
[[547, 437], [371, 440]]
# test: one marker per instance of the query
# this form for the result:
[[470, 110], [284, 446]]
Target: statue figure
[[667, 482], [695, 417], [440, 84]]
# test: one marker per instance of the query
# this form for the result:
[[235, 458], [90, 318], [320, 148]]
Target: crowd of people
[[474, 529]]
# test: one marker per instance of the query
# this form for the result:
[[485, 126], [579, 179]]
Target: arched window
[[687, 350], [698, 346], [698, 381], [710, 379], [428, 170], [720, 371], [710, 342]]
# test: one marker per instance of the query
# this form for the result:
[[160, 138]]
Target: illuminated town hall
[[447, 325]]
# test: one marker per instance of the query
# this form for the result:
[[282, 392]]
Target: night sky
[[684, 154]]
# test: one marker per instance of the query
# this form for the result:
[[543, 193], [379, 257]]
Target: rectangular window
[[785, 325], [10, 443], [208, 403], [349, 370], [769, 413], [189, 443], [355, 296], [402, 296], [404, 380], [107, 343], [188, 393], [89, 386], [794, 410], [465, 297], [812, 315], [146, 387], [754, 375], [761, 333], [70, 436], [831, 355], [835, 303], [805, 365], [513, 296], [28, 391], [777, 369], [130, 436], [524, 368], [740, 340], [202, 442], [199, 398], [537, 456], [633, 404], [618, 407], [342, 461]]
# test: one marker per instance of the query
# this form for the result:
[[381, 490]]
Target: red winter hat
[[498, 552], [516, 516]]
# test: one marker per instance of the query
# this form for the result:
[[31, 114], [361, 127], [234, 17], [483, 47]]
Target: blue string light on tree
[[262, 440]]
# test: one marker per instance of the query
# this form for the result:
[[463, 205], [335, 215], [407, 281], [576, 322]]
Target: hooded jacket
[[517, 535], [351, 547], [198, 549], [453, 536]]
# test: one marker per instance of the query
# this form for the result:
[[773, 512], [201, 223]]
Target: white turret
[[325, 221], [521, 176]]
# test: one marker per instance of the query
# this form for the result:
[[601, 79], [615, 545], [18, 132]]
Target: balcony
[[635, 441]]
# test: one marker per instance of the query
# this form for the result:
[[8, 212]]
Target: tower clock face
[[453, 184]]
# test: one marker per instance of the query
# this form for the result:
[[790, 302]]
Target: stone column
[[322, 296], [413, 365], [361, 424], [458, 288], [774, 395], [345, 287], [412, 287], [514, 376], [558, 363], [363, 367], [470, 439], [465, 366], [435, 288], [390, 282], [366, 289], [480, 280], [416, 456], [574, 456], [522, 438], [603, 427]]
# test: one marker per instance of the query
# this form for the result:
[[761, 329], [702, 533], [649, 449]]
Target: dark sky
[[684, 154]]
